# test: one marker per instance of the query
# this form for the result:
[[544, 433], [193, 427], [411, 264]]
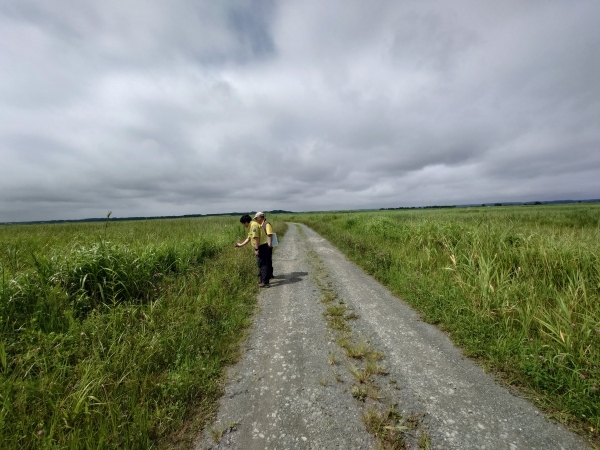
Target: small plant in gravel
[[336, 319], [375, 368], [332, 360], [373, 355], [359, 392], [424, 440], [337, 323], [351, 316], [328, 297], [388, 427], [335, 311], [356, 351], [342, 339], [216, 433], [374, 393], [370, 390], [361, 375]]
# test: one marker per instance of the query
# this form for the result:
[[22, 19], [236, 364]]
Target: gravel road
[[292, 389]]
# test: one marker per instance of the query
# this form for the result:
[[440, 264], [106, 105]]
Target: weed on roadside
[[359, 392], [360, 375], [355, 351], [216, 433], [424, 440], [351, 316], [332, 359], [335, 311], [388, 426]]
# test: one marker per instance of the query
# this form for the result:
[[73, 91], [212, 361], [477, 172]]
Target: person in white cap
[[268, 229]]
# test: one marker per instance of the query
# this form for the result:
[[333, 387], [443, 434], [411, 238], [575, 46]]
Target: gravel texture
[[284, 394]]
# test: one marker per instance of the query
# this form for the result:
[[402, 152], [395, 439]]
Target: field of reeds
[[115, 335], [517, 287]]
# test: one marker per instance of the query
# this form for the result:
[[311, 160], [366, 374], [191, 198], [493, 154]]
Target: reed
[[114, 335], [517, 287]]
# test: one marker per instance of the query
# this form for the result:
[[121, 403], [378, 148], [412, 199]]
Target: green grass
[[388, 427], [115, 335], [517, 287]]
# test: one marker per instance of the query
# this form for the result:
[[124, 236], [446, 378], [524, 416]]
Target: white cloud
[[149, 108]]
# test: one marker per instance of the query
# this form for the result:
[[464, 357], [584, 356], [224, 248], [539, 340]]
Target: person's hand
[[236, 245]]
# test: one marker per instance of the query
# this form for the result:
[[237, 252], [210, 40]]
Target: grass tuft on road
[[363, 364]]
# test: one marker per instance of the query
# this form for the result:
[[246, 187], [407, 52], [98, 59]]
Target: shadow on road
[[287, 278]]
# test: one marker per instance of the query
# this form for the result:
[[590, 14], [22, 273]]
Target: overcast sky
[[147, 107]]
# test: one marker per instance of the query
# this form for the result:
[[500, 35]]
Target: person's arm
[[255, 243], [241, 244], [269, 231]]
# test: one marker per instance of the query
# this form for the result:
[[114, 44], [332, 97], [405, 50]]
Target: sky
[[149, 108]]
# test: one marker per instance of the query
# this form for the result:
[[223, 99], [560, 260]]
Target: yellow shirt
[[268, 228], [256, 231]]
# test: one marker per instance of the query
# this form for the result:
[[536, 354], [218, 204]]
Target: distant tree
[[498, 204]]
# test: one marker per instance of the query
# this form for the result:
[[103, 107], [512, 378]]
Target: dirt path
[[296, 387]]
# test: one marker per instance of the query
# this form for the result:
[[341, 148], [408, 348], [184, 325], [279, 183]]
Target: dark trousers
[[262, 260], [270, 262]]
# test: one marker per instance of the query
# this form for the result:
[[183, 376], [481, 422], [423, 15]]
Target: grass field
[[517, 287], [115, 335]]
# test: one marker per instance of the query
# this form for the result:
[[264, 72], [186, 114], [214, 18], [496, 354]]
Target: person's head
[[245, 220], [259, 217]]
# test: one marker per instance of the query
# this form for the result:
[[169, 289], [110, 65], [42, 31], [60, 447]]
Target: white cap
[[259, 214]]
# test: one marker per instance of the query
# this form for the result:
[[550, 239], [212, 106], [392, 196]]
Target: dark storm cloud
[[152, 108]]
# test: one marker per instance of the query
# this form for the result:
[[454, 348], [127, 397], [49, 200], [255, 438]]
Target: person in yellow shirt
[[258, 238], [268, 229]]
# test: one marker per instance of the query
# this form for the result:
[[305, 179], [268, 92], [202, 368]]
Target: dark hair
[[245, 218]]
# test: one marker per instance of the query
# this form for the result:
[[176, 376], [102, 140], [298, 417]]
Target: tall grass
[[114, 337], [517, 287]]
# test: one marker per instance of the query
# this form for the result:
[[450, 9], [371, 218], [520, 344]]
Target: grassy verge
[[517, 287], [115, 336]]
